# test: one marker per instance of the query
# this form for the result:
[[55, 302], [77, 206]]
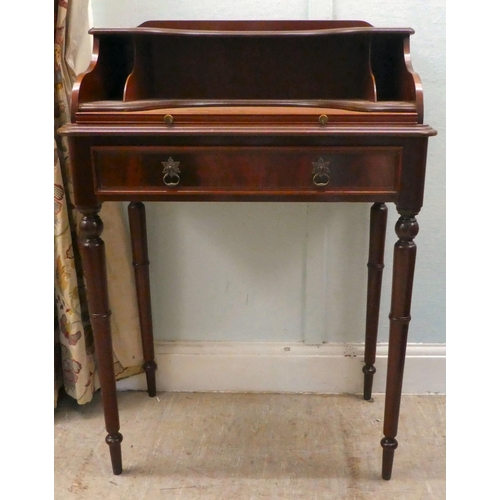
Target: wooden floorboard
[[249, 446]]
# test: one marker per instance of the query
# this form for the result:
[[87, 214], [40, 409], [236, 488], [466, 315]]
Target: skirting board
[[290, 367]]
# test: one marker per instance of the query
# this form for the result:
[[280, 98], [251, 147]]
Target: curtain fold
[[75, 362]]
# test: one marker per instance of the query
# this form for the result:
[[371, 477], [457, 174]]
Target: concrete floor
[[249, 446]]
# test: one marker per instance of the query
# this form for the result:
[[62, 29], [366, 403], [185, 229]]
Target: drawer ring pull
[[321, 172], [171, 172]]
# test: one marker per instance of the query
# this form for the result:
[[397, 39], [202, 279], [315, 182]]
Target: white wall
[[292, 272]]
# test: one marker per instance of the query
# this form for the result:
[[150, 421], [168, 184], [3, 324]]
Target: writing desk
[[299, 111]]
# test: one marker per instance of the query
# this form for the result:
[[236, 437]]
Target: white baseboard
[[290, 367]]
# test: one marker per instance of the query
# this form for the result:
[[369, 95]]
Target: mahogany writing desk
[[299, 111]]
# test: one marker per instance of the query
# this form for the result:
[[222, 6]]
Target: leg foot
[[150, 368], [369, 372], [389, 446], [114, 442]]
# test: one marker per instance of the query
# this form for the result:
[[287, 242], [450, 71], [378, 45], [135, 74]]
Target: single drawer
[[153, 171]]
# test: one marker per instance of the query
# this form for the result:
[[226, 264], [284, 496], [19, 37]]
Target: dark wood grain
[[219, 170], [262, 130], [94, 265], [405, 252], [378, 225], [156, 104], [257, 25], [246, 66], [138, 236], [255, 110]]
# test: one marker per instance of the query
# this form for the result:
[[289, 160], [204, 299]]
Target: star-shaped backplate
[[321, 167], [171, 167]]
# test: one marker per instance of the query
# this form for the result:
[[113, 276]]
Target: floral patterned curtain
[[75, 361]]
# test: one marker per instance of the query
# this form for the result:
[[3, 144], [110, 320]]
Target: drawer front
[[176, 171]]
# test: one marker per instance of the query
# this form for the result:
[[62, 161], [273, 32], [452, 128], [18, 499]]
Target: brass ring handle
[[321, 172], [325, 179], [171, 172]]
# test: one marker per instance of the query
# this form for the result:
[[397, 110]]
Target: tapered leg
[[94, 266], [137, 221], [404, 264], [378, 225]]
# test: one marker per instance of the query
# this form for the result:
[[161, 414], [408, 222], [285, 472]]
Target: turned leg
[[94, 266], [137, 221], [378, 224], [404, 264]]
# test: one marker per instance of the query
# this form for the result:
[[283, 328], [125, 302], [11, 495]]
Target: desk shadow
[[271, 438]]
